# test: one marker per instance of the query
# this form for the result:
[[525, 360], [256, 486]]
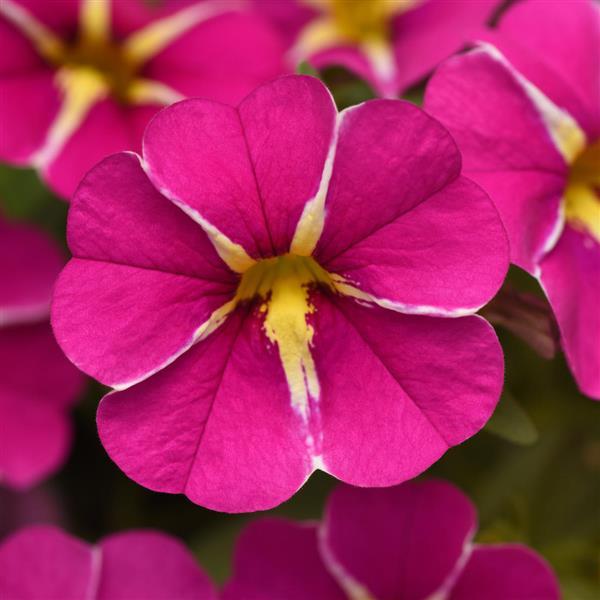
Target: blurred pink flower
[[525, 112], [37, 383], [413, 541], [392, 44], [79, 79], [305, 264], [44, 562]]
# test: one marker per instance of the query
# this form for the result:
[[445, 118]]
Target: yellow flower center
[[363, 20], [582, 196]]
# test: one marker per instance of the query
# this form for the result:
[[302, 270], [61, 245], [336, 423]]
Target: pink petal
[[36, 433], [216, 425], [144, 276], [501, 572], [29, 103], [18, 55], [42, 561], [276, 559], [108, 128], [400, 542], [288, 17], [129, 16], [571, 278], [247, 171], [152, 566], [556, 45], [29, 264], [397, 391], [434, 30], [62, 16], [506, 148], [400, 225], [223, 58]]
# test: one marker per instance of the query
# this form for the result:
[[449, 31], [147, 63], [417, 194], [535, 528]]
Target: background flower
[[413, 541], [79, 79], [44, 562], [526, 115]]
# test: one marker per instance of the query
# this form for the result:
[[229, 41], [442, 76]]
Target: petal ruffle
[[399, 542], [29, 264], [506, 148], [508, 571], [205, 62], [570, 275], [397, 390], [225, 164], [382, 207], [179, 432], [143, 279], [277, 559], [35, 431], [556, 45]]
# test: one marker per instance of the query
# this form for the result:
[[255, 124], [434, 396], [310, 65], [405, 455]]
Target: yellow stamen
[[582, 196], [94, 20], [146, 91]]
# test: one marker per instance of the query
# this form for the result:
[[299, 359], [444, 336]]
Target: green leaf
[[512, 423], [305, 68]]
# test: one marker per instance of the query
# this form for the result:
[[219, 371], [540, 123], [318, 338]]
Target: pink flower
[[392, 44], [413, 541], [269, 291], [37, 383], [79, 79], [526, 115], [44, 562]]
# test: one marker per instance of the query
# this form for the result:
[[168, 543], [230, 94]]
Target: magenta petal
[[34, 433], [570, 275], [410, 157], [223, 58], [29, 103], [151, 566], [432, 31], [29, 264], [107, 129], [43, 562], [506, 147], [276, 559], [216, 425], [247, 171], [60, 15], [556, 45], [143, 279], [400, 542], [447, 255], [18, 55], [397, 391], [508, 571]]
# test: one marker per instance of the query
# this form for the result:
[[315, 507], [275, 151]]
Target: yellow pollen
[[363, 20], [284, 285], [582, 196]]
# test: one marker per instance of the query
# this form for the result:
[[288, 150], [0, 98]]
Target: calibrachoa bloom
[[79, 79], [526, 115], [411, 542], [37, 383], [44, 562], [269, 290], [392, 44]]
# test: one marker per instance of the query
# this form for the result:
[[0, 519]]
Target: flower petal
[[143, 280], [506, 146], [35, 428], [19, 55], [43, 562], [556, 45], [399, 542], [570, 275], [225, 164], [432, 31], [277, 559], [204, 62], [397, 390], [152, 566], [508, 571], [179, 432], [29, 264]]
